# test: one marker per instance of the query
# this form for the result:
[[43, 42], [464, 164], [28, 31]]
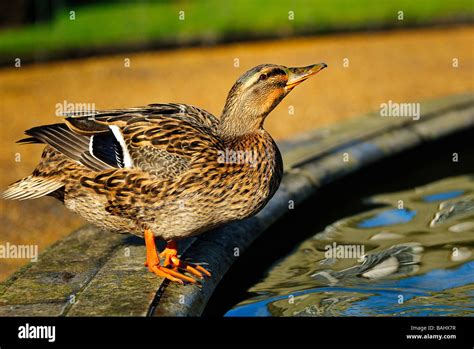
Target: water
[[412, 255]]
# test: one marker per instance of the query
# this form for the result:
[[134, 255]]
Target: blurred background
[[115, 54]]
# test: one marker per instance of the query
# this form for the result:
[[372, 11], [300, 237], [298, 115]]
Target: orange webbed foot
[[170, 255]]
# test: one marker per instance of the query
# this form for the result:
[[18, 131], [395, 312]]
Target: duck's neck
[[231, 127], [239, 119]]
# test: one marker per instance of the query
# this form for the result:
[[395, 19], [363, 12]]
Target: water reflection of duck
[[396, 260]]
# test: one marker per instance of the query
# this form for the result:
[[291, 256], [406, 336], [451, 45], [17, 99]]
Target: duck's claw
[[205, 271], [171, 274], [165, 274]]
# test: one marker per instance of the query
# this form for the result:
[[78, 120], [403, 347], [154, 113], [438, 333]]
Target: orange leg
[[170, 254], [153, 262]]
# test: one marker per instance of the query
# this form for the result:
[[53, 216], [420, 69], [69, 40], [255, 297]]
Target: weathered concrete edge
[[302, 148], [62, 270], [298, 185], [123, 286]]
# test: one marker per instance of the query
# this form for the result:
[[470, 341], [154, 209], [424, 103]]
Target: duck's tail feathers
[[31, 187]]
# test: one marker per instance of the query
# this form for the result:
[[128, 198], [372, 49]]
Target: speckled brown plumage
[[166, 168]]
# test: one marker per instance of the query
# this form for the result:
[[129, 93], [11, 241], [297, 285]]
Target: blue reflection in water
[[388, 217], [386, 294], [433, 281], [443, 196]]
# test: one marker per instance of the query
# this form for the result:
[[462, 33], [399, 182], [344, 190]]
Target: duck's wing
[[160, 138], [152, 111]]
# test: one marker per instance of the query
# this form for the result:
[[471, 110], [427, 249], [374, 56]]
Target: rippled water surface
[[413, 255]]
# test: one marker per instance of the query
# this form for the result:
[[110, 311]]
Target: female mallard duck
[[166, 170]]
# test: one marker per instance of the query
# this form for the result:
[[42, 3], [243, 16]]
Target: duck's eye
[[263, 77]]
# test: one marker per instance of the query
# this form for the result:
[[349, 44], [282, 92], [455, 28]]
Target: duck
[[166, 171]]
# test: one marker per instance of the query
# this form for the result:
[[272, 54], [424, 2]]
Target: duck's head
[[257, 92]]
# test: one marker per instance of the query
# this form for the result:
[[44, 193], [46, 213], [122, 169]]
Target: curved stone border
[[93, 272]]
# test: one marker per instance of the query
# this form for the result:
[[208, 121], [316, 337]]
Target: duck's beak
[[299, 74]]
